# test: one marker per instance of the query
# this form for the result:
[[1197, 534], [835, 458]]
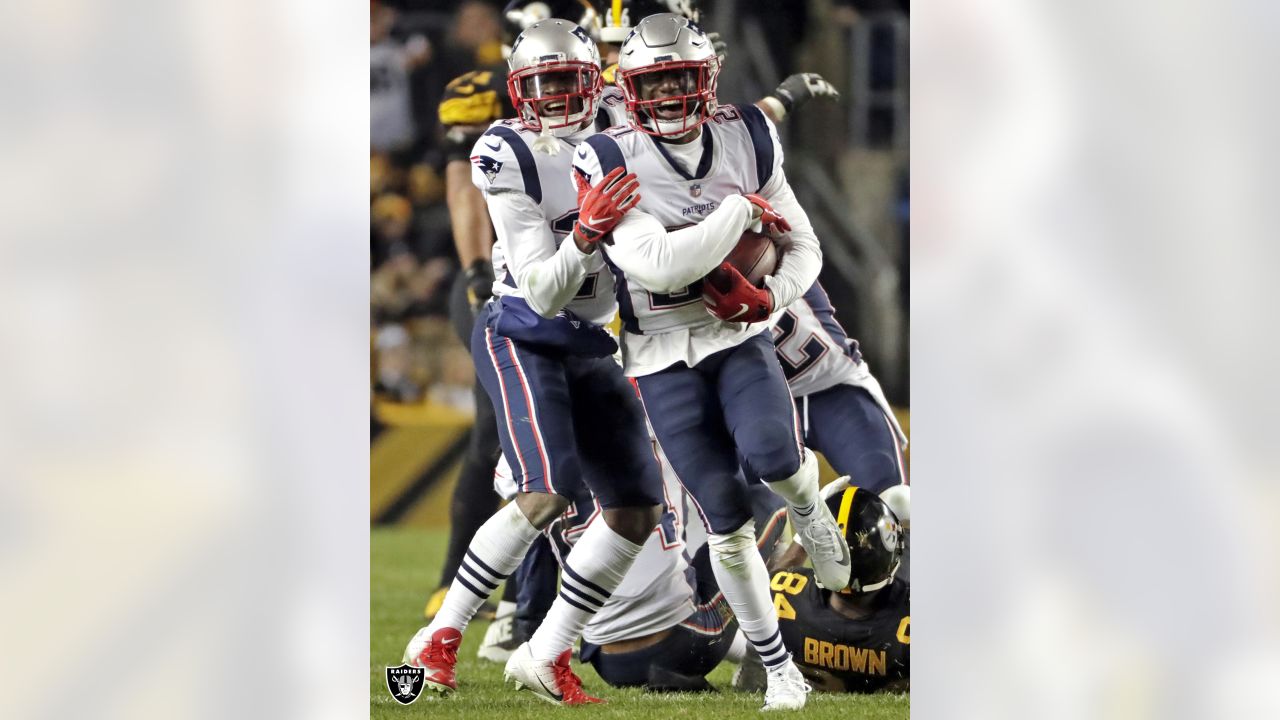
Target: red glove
[[774, 224], [600, 208], [731, 298]]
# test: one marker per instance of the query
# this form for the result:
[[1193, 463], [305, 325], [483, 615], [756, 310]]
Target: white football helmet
[[667, 69], [555, 77]]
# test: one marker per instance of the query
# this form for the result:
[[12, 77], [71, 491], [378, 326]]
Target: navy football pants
[[565, 420], [850, 430], [734, 403], [680, 661]]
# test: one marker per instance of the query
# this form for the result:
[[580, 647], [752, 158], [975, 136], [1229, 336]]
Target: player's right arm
[[665, 261], [547, 277], [472, 233], [657, 259], [795, 91], [470, 104]]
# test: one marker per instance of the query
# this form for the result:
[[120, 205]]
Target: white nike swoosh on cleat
[[740, 312]]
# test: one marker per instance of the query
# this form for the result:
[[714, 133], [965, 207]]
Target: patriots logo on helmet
[[489, 166], [581, 34]]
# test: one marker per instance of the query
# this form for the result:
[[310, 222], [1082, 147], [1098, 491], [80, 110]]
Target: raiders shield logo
[[405, 683]]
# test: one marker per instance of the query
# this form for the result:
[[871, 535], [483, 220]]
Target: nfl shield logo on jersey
[[405, 683], [695, 190], [489, 166]]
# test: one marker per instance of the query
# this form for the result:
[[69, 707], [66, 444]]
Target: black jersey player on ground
[[857, 639]]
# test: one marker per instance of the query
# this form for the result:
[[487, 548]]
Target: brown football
[[754, 256]]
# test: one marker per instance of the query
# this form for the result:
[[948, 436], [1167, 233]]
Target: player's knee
[[775, 455], [541, 508], [633, 523], [732, 551], [875, 471]]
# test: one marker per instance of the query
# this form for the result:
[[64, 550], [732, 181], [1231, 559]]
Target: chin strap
[[855, 589], [546, 143]]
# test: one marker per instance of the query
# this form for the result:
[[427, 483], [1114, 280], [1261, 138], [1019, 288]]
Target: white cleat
[[416, 645], [553, 682], [787, 689], [499, 639], [821, 538]]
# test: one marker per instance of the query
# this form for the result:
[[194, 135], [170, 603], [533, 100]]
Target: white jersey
[[816, 354], [534, 204], [814, 351], [687, 221]]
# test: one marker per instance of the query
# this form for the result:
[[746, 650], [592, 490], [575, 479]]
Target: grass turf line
[[404, 567]]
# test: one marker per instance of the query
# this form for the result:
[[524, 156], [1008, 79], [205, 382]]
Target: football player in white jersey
[[711, 383], [844, 413], [470, 103], [667, 624], [567, 416]]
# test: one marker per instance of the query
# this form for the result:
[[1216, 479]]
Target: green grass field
[[404, 568]]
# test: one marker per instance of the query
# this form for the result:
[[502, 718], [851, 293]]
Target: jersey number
[[727, 113], [810, 352], [791, 584], [783, 608], [668, 529], [563, 225], [679, 298]]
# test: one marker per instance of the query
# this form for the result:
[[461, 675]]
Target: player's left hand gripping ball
[[736, 299], [774, 224], [601, 208]]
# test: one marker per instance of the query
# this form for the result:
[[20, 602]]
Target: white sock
[[495, 552], [801, 489], [590, 574], [744, 580], [737, 649]]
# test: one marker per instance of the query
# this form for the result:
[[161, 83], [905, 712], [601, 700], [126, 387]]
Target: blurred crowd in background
[[848, 163]]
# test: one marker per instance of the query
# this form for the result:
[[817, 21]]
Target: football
[[754, 256]]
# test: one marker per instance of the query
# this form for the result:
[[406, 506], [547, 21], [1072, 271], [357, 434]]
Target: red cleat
[[438, 658], [570, 683], [554, 682]]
